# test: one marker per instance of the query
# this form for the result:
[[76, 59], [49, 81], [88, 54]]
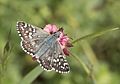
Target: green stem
[[96, 34], [87, 70], [83, 64]]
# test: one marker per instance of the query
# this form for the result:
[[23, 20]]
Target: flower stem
[[94, 35]]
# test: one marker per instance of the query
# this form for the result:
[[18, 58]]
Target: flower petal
[[50, 28]]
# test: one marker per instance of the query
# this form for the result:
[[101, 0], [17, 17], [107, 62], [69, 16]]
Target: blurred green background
[[78, 18]]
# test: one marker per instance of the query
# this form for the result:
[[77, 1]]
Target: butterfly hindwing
[[54, 59], [59, 62]]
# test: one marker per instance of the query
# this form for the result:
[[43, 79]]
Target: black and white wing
[[54, 59], [31, 37], [59, 62]]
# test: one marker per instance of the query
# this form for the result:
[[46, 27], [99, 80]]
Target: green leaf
[[7, 48], [31, 76]]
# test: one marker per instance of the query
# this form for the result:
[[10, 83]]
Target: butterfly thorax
[[47, 43]]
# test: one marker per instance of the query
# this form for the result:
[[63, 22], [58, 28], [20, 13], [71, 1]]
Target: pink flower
[[63, 39], [50, 28]]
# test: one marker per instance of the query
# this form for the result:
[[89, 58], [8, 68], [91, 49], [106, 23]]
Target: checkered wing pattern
[[59, 62], [31, 37], [54, 59]]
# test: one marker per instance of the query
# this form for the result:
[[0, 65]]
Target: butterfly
[[43, 46]]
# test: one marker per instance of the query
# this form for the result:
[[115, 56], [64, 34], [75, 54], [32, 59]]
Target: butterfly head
[[57, 34]]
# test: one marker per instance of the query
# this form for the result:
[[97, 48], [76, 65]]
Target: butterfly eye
[[51, 32]]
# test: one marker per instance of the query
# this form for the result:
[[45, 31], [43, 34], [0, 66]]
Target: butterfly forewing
[[31, 37]]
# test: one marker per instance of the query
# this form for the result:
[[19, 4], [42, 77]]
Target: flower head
[[63, 38]]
